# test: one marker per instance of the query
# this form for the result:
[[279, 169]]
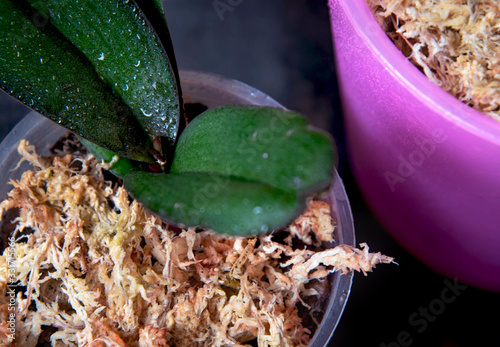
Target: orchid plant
[[106, 71]]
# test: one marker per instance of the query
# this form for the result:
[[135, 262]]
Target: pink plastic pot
[[428, 165]]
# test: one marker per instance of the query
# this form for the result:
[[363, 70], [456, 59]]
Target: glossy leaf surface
[[239, 170], [42, 69], [224, 204], [127, 53], [263, 144]]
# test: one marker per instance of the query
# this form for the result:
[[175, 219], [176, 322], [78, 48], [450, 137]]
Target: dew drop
[[265, 155], [264, 228], [145, 113], [257, 210], [297, 180]]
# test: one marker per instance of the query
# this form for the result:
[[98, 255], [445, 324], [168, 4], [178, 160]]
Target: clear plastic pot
[[211, 90]]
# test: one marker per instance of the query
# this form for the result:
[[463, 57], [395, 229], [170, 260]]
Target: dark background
[[284, 48]]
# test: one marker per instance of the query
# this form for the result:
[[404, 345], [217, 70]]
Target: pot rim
[[393, 60]]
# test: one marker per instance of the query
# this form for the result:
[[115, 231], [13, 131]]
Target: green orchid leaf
[[225, 204], [120, 166], [262, 144], [43, 70], [239, 170], [153, 11], [159, 6], [126, 52]]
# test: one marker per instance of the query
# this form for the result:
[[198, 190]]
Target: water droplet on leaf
[[257, 210]]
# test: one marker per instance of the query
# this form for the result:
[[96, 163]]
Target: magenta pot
[[427, 164]]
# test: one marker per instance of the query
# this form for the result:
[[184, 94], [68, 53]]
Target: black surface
[[284, 48]]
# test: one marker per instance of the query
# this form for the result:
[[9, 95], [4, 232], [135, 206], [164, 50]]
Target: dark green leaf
[[43, 70], [261, 144], [224, 204], [126, 52]]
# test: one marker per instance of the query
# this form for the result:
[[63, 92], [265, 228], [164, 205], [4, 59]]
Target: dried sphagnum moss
[[103, 271], [456, 43]]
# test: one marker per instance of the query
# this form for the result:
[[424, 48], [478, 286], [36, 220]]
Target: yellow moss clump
[[456, 43], [102, 271]]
